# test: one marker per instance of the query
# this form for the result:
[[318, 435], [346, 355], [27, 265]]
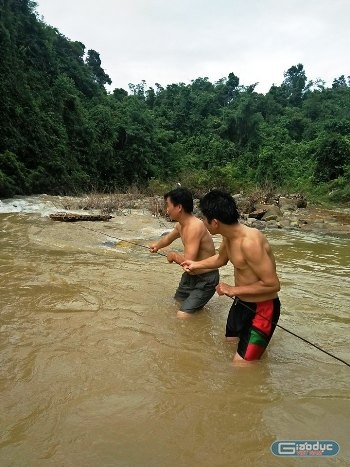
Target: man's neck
[[231, 231], [185, 218]]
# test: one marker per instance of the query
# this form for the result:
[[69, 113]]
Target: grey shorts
[[195, 291]]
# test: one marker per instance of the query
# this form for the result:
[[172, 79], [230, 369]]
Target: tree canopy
[[62, 132]]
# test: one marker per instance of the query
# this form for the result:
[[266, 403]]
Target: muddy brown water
[[97, 371]]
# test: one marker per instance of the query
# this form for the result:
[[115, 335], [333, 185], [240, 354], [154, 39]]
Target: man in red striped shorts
[[256, 308]]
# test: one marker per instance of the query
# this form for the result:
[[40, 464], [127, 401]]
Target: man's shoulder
[[252, 237], [195, 222], [252, 232], [195, 225], [198, 221]]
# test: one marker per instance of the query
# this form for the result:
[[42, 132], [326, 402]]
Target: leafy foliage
[[62, 132]]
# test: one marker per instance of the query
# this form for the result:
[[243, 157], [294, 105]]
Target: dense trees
[[62, 132]]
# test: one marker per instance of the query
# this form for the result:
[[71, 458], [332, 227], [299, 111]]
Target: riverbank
[[311, 218]]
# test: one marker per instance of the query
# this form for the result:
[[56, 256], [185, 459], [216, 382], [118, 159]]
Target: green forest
[[62, 132]]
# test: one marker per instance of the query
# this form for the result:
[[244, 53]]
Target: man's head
[[220, 206], [177, 200]]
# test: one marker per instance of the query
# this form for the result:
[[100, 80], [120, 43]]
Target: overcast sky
[[164, 41]]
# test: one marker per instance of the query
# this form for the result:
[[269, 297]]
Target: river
[[96, 370]]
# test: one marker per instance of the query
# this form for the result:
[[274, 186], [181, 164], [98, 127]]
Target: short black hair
[[219, 205], [181, 196]]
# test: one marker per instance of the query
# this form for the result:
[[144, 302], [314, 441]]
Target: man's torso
[[244, 275]]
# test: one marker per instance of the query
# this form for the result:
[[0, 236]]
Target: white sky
[[164, 41]]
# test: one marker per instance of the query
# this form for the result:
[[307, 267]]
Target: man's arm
[[166, 240], [213, 262], [191, 240]]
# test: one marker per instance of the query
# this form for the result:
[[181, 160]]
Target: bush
[[13, 175], [157, 187], [201, 181]]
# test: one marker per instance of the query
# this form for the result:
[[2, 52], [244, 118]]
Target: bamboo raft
[[72, 217]]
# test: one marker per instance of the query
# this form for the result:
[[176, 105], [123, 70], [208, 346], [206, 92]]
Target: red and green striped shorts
[[254, 324]]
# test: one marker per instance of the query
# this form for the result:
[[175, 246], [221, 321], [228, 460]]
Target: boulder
[[301, 203], [292, 202], [285, 223], [244, 205], [258, 214], [273, 224], [260, 225], [272, 213], [287, 204]]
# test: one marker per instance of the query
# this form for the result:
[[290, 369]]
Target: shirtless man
[[256, 307], [195, 289]]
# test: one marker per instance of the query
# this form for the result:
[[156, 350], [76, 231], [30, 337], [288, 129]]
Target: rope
[[253, 311], [296, 335], [121, 239]]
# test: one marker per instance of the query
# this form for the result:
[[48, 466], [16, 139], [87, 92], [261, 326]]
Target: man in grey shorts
[[194, 290]]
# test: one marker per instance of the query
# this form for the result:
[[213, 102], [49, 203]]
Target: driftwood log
[[72, 217]]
